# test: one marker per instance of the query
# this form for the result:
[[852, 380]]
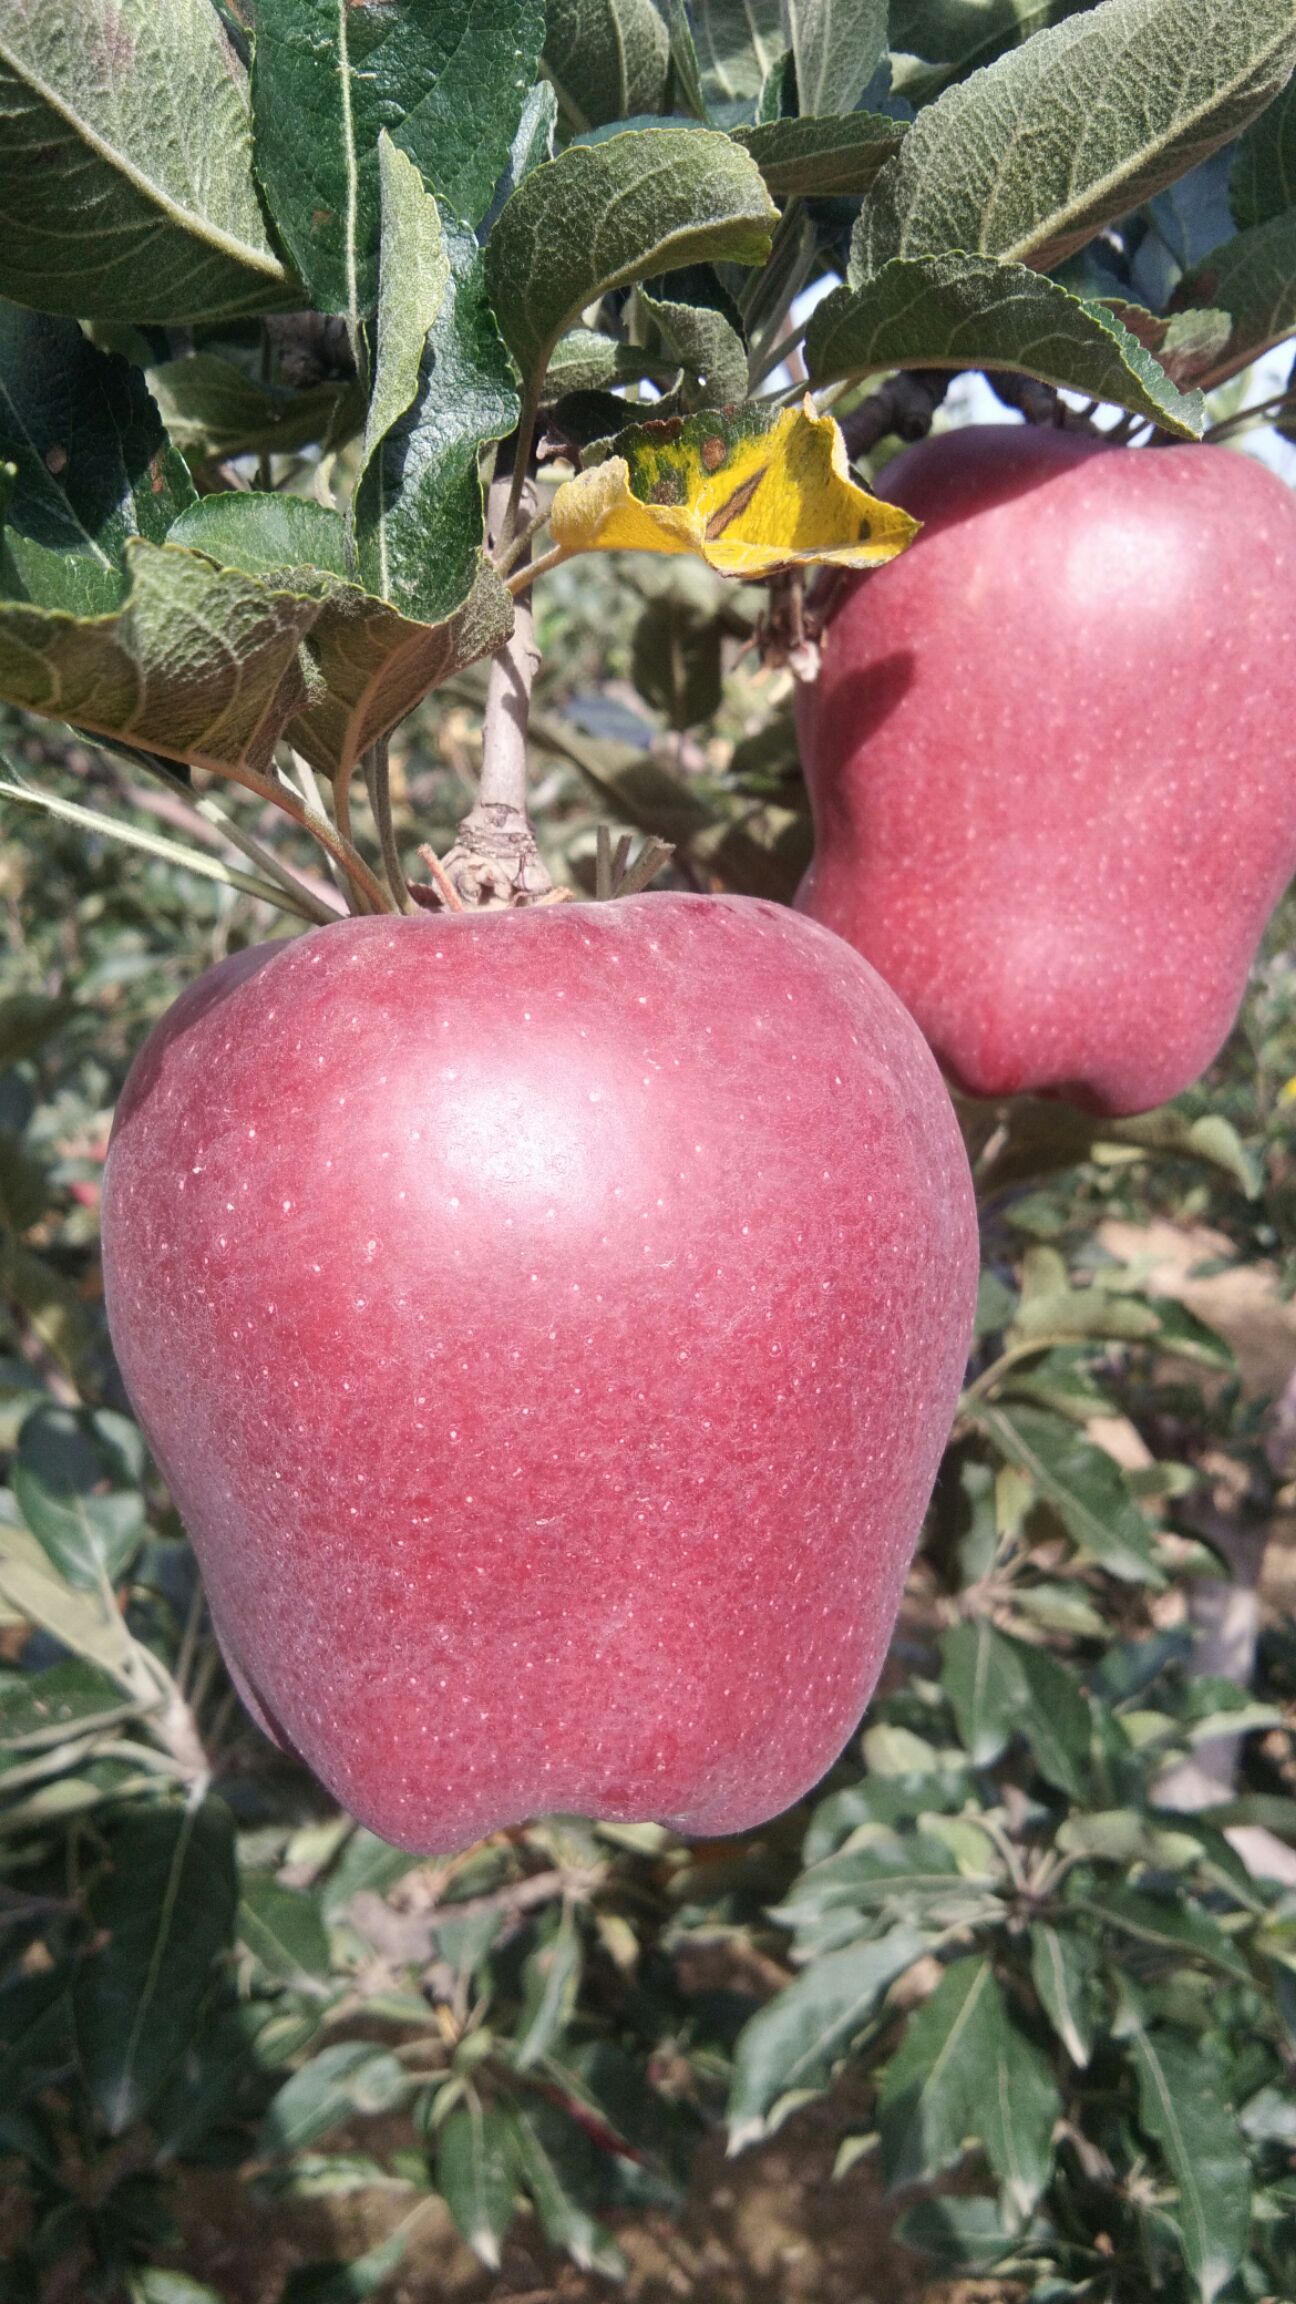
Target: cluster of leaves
[[361, 246]]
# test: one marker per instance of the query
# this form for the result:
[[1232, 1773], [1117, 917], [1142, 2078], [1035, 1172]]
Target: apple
[[549, 1323], [1051, 758]]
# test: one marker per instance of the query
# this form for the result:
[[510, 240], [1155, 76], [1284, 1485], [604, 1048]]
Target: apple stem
[[495, 861]]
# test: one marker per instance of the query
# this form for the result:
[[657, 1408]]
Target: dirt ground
[[769, 2228]]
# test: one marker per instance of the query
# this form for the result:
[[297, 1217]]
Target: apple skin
[[1052, 758], [549, 1324]]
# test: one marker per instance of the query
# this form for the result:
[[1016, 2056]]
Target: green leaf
[[413, 281], [1183, 343], [739, 43], [870, 1875], [964, 2070], [793, 2042], [365, 1862], [934, 2086], [603, 214], [686, 67], [1167, 1924], [376, 665], [448, 83], [419, 509], [1212, 1139], [92, 465], [199, 663], [822, 158], [587, 362], [213, 410], [89, 1624], [608, 59], [353, 2079], [1030, 158], [980, 1676], [27, 1021], [283, 1929], [1183, 2108], [704, 343], [1081, 1483], [164, 1907], [533, 142], [264, 534], [90, 1539], [999, 1687], [1182, 1334], [550, 1982], [963, 2234], [67, 1700], [970, 312], [474, 2173], [837, 46], [566, 2224], [371, 664], [1253, 278], [1262, 181], [966, 34], [126, 165], [1062, 1970]]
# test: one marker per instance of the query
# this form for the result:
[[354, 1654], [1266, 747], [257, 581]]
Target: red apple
[[1052, 758], [549, 1324]]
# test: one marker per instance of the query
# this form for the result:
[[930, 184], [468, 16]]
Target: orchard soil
[[771, 2227]]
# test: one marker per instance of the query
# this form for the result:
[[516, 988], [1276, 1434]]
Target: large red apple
[[1052, 758], [549, 1324]]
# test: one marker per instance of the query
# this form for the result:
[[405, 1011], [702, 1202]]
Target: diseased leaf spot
[[56, 459], [865, 531], [713, 453], [670, 489], [735, 504]]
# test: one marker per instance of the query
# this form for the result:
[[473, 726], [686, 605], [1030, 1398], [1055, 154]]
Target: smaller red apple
[[1052, 758]]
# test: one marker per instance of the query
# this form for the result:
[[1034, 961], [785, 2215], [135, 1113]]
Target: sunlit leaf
[[601, 214], [447, 83], [961, 311], [126, 165], [1031, 157]]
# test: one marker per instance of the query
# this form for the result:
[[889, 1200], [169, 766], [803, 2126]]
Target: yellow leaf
[[749, 494]]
